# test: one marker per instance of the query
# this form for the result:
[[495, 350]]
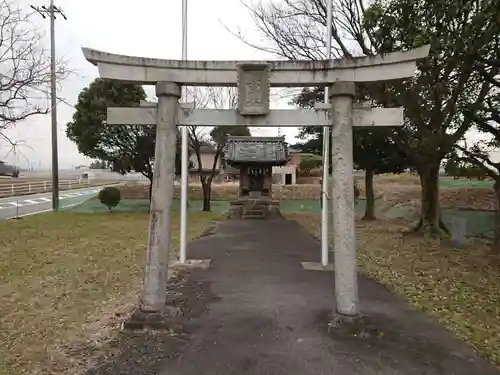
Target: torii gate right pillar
[[346, 278]]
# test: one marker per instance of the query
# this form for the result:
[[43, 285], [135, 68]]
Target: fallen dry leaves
[[64, 276], [399, 179], [469, 198], [473, 198], [458, 287]]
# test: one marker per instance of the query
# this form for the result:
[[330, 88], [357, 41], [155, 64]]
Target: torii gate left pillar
[[154, 293]]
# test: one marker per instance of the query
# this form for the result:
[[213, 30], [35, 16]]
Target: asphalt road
[[25, 205]]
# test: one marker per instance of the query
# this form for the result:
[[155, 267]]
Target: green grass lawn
[[478, 222], [142, 205], [465, 183], [60, 273], [300, 206]]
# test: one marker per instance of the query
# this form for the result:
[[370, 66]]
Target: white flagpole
[[184, 153], [326, 148]]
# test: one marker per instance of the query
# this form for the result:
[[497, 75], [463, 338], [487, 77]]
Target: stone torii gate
[[253, 80]]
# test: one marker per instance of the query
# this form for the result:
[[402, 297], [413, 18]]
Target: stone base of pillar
[[317, 266], [360, 326], [169, 318], [192, 263]]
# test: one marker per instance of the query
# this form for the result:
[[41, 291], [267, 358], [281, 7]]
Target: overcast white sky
[[150, 28]]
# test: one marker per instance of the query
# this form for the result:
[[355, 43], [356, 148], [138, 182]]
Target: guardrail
[[8, 189]]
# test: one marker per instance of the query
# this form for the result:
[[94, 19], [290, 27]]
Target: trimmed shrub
[[110, 196]]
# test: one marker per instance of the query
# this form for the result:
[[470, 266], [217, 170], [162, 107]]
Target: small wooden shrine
[[255, 158]]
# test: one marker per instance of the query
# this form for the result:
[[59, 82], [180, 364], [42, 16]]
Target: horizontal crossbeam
[[391, 66], [364, 117]]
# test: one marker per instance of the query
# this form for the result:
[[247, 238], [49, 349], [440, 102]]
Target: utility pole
[[184, 147], [326, 149], [51, 12]]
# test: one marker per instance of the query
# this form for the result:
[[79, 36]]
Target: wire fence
[[34, 187]]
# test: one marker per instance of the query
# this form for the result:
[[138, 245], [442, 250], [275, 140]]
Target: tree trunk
[[150, 190], [370, 196], [495, 246], [430, 215], [207, 192]]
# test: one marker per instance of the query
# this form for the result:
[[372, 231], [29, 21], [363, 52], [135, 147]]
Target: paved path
[[265, 315], [36, 203]]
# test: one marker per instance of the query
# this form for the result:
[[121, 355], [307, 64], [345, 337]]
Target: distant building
[[287, 174], [207, 156]]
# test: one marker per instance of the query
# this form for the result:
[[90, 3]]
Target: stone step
[[256, 207], [254, 212], [253, 217]]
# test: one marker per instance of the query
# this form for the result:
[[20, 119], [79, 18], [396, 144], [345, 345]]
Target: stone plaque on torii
[[253, 79]]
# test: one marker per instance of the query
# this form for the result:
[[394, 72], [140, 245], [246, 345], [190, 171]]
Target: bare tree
[[205, 140], [295, 29], [24, 67], [434, 100]]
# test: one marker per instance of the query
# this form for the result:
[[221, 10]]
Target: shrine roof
[[249, 138], [256, 150]]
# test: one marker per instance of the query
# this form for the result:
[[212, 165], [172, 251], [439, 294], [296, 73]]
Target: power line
[[51, 13], [47, 12]]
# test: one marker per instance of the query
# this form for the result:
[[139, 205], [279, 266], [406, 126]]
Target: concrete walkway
[[263, 314]]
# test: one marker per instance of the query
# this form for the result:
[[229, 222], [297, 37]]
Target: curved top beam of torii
[[149, 71]]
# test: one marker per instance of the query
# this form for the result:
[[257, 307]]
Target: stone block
[[316, 266], [166, 319], [253, 89], [458, 231], [192, 263]]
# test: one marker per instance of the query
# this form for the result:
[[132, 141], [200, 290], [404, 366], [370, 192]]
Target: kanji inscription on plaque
[[253, 94], [253, 89]]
